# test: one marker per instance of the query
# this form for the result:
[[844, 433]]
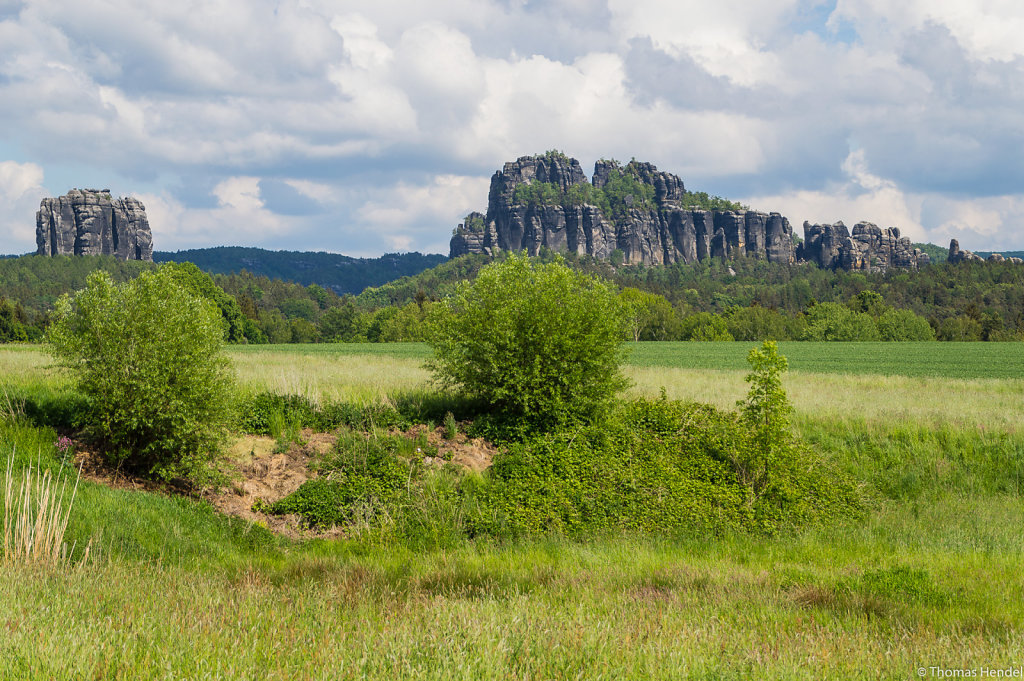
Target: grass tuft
[[35, 516]]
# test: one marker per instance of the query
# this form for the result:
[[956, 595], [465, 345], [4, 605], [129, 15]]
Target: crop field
[[927, 579], [945, 360]]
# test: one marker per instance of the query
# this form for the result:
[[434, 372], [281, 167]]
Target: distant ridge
[[339, 273]]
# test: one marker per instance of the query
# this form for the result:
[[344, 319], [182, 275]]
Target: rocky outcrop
[[91, 222], [868, 248], [957, 256], [636, 210], [640, 212]]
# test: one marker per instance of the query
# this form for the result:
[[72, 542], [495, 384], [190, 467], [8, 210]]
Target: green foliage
[[658, 466], [586, 194], [756, 323], [12, 322], [474, 222], [451, 426], [766, 412], [957, 296], [557, 156], [35, 282], [537, 194], [704, 326], [625, 190], [648, 316], [903, 325], [539, 342], [938, 254], [653, 466], [836, 322], [704, 201], [237, 329], [147, 357], [258, 413]]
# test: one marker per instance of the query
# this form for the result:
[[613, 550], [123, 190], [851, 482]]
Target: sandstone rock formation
[[90, 222], [868, 248], [956, 256], [648, 223]]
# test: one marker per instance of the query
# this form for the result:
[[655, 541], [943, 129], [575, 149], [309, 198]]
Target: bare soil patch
[[475, 454], [257, 472], [260, 473]]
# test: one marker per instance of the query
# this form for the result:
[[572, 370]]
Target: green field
[[948, 360], [930, 577]]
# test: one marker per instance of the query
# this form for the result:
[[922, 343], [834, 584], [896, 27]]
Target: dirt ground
[[257, 472]]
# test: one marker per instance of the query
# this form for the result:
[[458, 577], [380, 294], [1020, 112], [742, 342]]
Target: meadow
[[928, 579]]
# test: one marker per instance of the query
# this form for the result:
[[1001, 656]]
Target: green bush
[[146, 355], [704, 326], [658, 466], [904, 325], [836, 322], [539, 342]]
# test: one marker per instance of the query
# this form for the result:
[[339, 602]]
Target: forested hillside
[[339, 273], [713, 300]]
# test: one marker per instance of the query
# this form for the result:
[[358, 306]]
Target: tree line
[[712, 300]]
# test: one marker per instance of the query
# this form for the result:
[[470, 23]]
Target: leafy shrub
[[704, 326], [903, 325], [147, 357], [659, 466], [836, 322], [539, 342]]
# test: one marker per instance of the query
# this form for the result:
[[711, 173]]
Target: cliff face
[[868, 248], [546, 201], [641, 217], [90, 222]]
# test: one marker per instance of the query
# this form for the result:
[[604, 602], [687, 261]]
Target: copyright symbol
[[921, 671]]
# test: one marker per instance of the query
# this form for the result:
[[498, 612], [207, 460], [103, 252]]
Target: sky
[[371, 127]]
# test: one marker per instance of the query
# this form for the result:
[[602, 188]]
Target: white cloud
[[318, 191], [425, 212], [21, 189], [985, 223], [862, 196], [353, 107], [987, 29], [727, 37], [240, 218]]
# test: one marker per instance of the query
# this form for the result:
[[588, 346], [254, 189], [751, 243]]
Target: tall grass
[[35, 516], [931, 577]]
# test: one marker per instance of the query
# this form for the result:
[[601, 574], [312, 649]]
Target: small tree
[[766, 412], [540, 342], [147, 357]]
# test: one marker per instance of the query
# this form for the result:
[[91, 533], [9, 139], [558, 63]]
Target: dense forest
[[713, 300], [339, 273]]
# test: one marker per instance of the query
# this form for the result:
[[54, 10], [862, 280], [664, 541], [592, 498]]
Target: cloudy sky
[[371, 127]]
